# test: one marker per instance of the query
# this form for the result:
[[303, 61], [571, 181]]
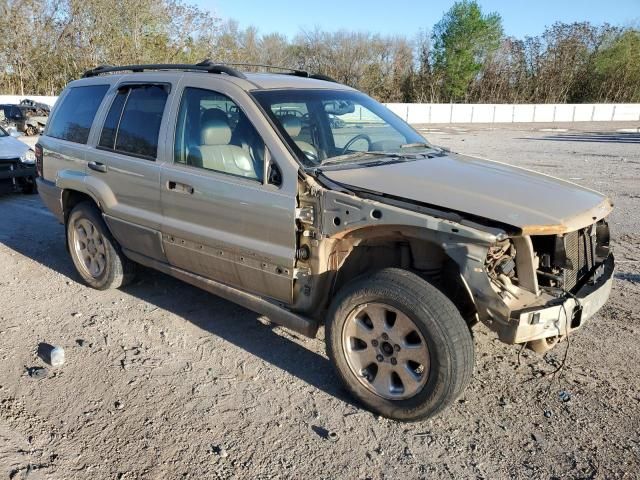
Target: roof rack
[[289, 71], [262, 65], [319, 76], [205, 66]]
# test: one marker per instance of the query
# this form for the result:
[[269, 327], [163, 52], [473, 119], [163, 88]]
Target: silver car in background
[[17, 163]]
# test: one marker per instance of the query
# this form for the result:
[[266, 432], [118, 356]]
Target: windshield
[[337, 126]]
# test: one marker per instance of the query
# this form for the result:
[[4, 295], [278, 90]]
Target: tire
[[435, 352], [103, 265], [30, 131], [29, 186]]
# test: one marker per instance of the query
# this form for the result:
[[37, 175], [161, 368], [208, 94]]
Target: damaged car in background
[[25, 119], [41, 109], [317, 205]]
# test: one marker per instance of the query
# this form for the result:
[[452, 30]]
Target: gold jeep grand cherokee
[[310, 203]]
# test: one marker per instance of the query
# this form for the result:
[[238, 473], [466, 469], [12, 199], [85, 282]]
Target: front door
[[221, 218]]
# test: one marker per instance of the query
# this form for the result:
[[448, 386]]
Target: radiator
[[580, 248]]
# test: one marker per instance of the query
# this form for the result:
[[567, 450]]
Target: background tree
[[617, 68], [46, 43], [463, 41]]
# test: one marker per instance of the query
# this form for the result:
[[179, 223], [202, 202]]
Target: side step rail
[[273, 312]]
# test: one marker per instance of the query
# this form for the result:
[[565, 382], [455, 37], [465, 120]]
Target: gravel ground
[[162, 380]]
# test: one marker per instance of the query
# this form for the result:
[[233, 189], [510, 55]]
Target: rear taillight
[[39, 158]]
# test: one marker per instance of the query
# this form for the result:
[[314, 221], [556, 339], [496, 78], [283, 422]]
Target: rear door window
[[133, 123], [73, 118], [108, 136]]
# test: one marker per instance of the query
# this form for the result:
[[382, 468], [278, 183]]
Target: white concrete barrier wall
[[15, 99], [470, 113], [506, 113]]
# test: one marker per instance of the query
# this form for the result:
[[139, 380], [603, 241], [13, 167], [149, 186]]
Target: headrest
[[292, 125], [214, 128]]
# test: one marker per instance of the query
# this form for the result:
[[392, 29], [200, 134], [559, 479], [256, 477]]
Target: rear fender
[[96, 188]]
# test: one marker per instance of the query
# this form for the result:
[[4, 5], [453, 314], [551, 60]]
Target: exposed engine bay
[[562, 263]]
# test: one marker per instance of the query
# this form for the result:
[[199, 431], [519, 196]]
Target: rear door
[[221, 217], [125, 165]]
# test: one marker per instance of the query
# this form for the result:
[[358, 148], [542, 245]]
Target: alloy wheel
[[386, 351]]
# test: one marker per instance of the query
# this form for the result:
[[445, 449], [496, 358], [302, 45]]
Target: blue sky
[[406, 17]]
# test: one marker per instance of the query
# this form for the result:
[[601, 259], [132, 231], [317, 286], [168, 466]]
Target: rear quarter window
[[73, 118]]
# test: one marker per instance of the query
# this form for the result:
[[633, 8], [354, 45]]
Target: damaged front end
[[549, 284], [530, 283]]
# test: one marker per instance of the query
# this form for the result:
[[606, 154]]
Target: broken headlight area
[[566, 262], [500, 265], [28, 157], [554, 263]]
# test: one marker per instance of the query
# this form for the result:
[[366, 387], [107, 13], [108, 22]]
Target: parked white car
[[17, 163]]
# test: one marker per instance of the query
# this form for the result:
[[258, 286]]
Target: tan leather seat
[[217, 153], [293, 127]]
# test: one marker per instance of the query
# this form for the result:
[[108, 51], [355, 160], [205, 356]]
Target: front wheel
[[95, 253], [399, 345]]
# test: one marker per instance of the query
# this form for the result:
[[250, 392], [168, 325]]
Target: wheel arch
[[417, 250], [69, 199], [72, 197]]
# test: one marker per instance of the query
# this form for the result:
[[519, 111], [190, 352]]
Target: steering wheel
[[360, 136], [313, 156]]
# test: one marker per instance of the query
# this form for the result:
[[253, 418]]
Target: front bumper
[[559, 318], [21, 172]]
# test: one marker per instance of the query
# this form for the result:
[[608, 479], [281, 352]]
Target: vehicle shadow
[[33, 232], [630, 277], [238, 326], [598, 137]]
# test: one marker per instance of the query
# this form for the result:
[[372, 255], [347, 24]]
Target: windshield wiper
[[416, 145], [356, 156]]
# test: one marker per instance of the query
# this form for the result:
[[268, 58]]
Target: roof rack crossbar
[[206, 66], [293, 71], [326, 78], [315, 76]]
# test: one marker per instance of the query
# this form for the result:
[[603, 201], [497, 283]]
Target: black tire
[[449, 341], [30, 131], [29, 186], [117, 270]]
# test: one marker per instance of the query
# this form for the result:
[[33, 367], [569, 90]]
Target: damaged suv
[[245, 185]]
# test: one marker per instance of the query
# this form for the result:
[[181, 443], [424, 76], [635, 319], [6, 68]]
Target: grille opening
[[567, 260]]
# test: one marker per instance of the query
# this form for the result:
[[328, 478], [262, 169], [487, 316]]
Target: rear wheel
[[399, 345], [95, 253], [30, 131]]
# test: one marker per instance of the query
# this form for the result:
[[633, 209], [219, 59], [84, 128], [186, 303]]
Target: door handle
[[180, 187], [98, 167]]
